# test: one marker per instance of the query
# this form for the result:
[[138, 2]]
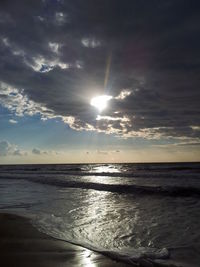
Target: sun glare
[[100, 102]]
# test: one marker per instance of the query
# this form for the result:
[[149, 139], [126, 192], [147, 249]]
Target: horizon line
[[74, 163]]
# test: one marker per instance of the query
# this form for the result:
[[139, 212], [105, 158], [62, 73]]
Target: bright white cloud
[[18, 103], [109, 118], [13, 121], [40, 64], [123, 94]]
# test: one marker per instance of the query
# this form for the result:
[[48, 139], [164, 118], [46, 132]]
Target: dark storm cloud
[[55, 52]]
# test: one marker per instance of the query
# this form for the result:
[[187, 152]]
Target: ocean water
[[126, 211]]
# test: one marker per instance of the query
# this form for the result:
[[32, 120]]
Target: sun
[[100, 102]]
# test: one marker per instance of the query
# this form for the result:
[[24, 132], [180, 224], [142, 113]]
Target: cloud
[[188, 143], [109, 152], [154, 74], [102, 152], [4, 148], [90, 42], [13, 121], [8, 149], [36, 151], [18, 152]]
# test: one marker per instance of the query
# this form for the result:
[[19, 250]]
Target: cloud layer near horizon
[[54, 54], [8, 149]]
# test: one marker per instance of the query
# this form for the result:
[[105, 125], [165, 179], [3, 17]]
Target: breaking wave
[[175, 191]]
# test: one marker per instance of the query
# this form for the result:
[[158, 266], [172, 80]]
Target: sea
[[127, 211]]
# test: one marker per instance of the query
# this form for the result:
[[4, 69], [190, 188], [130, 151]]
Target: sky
[[56, 56]]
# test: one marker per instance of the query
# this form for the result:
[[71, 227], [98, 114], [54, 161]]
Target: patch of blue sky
[[31, 131]]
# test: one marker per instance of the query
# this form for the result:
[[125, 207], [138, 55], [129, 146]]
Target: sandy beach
[[22, 245]]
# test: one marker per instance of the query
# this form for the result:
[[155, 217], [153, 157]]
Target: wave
[[128, 189], [140, 256], [130, 255], [114, 169], [174, 191], [77, 173]]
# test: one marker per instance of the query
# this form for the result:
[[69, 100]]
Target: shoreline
[[21, 244]]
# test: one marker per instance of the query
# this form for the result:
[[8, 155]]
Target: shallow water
[[126, 209]]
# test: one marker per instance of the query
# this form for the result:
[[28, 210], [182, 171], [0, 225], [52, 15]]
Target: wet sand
[[22, 245]]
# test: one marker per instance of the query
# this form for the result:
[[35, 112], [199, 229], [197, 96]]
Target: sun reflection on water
[[86, 260], [106, 169]]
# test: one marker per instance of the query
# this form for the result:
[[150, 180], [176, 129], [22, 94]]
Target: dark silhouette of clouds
[[54, 54]]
